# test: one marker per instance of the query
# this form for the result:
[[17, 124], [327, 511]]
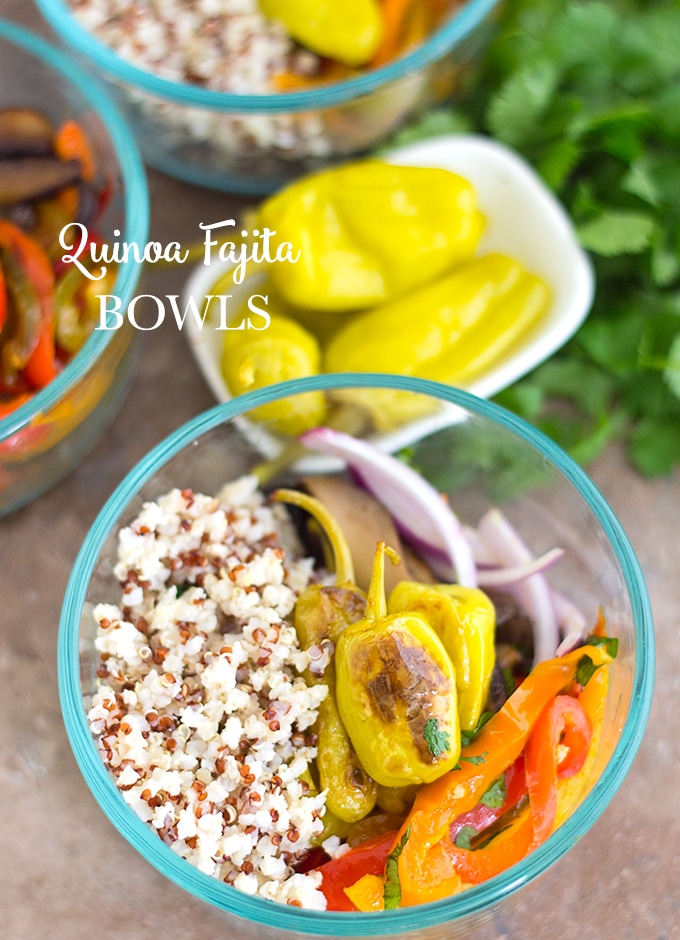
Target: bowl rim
[[136, 209], [454, 30], [327, 923]]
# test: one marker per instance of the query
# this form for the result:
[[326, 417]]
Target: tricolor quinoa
[[202, 712]]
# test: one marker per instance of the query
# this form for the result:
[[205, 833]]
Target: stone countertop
[[66, 874]]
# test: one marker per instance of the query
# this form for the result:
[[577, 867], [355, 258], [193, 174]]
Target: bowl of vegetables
[[375, 695], [68, 165], [245, 96]]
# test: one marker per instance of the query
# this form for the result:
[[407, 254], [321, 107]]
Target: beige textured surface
[[65, 874]]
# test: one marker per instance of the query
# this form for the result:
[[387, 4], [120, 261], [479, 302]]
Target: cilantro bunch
[[589, 93]]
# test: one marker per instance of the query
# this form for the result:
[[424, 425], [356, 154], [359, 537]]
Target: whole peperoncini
[[396, 692], [465, 621], [369, 231], [255, 358], [348, 32], [323, 612], [449, 331]]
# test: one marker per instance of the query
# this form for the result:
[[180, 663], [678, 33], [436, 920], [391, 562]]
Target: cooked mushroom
[[26, 178], [25, 133], [364, 522]]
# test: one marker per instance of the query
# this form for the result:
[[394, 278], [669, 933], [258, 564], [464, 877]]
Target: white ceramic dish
[[523, 220]]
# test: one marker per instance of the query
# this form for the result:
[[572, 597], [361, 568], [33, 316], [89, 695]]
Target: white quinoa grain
[[201, 692]]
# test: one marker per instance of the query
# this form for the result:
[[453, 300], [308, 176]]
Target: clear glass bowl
[[256, 143], [490, 457], [45, 438]]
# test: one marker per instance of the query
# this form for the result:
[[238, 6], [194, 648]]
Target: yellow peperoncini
[[396, 692], [349, 32], [465, 621], [323, 612], [368, 232], [450, 331], [253, 359]]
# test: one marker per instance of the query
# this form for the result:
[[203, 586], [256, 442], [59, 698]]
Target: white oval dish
[[523, 220]]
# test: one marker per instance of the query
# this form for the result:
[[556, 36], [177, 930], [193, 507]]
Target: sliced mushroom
[[364, 522], [27, 178], [25, 133]]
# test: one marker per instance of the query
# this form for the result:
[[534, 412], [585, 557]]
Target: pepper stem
[[342, 557], [376, 602]]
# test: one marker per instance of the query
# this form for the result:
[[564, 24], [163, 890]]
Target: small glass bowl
[[256, 143], [489, 457], [45, 438]]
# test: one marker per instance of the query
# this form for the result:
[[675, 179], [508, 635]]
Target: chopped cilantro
[[392, 890], [609, 643], [467, 737], [465, 834], [437, 741], [476, 760], [496, 795], [585, 669]]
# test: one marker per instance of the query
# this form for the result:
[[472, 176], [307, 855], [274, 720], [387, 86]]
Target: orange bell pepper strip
[[563, 724], [426, 872], [40, 368]]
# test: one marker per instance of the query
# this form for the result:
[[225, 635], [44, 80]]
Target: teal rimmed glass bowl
[[256, 143], [44, 439], [488, 456]]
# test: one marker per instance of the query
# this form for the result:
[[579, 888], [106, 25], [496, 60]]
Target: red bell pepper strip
[[563, 724], [425, 869], [482, 815], [41, 367], [369, 858]]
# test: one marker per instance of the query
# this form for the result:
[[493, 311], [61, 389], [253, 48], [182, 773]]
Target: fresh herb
[[609, 644], [437, 741], [467, 737], [496, 795], [464, 837], [392, 890], [476, 760], [589, 92], [585, 669]]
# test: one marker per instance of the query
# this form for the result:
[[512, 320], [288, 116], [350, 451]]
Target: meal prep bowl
[[45, 438], [488, 457], [255, 143]]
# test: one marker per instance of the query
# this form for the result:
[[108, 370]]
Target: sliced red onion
[[418, 510], [500, 577], [571, 620], [533, 593]]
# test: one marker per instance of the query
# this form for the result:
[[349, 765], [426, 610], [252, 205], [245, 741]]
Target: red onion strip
[[571, 620], [500, 577], [533, 593], [415, 505]]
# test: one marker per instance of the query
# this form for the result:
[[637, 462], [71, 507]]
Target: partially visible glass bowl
[[46, 437], [256, 143], [488, 456]]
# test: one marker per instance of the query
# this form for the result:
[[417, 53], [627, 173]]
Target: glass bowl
[[46, 437], [255, 143], [483, 456]]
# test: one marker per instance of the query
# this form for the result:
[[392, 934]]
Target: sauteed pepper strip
[[425, 866]]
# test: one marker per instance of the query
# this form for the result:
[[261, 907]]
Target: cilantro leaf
[[467, 737], [585, 670], [437, 741], [464, 836], [617, 233], [392, 890], [475, 759], [609, 643], [496, 795]]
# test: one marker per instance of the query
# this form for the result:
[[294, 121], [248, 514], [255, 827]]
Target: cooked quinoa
[[202, 713], [224, 45]]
